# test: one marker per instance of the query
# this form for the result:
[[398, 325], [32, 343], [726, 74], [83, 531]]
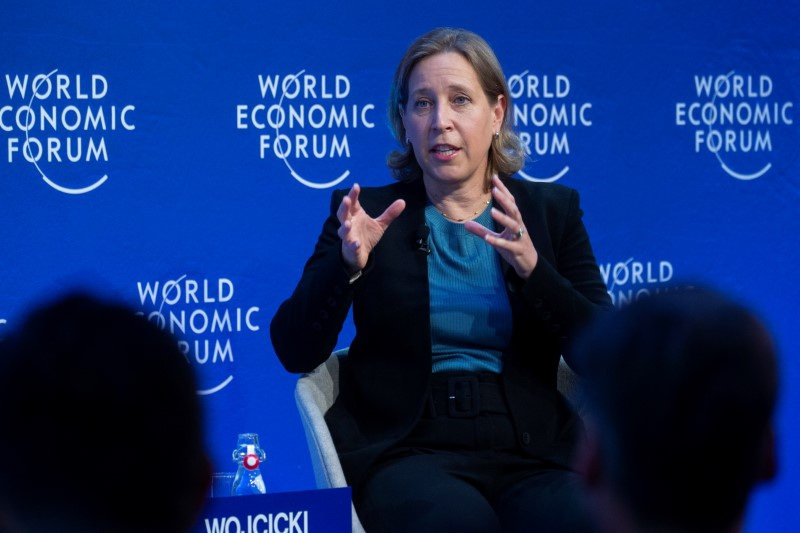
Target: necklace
[[473, 215]]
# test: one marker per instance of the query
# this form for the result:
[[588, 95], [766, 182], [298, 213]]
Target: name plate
[[311, 511]]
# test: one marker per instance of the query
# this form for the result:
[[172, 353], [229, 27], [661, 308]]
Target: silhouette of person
[[101, 424], [680, 390]]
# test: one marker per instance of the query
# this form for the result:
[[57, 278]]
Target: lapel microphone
[[421, 242]]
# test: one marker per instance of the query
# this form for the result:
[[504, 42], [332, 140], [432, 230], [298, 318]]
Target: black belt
[[466, 396]]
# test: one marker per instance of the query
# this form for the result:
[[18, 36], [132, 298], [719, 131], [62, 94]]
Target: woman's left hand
[[514, 244]]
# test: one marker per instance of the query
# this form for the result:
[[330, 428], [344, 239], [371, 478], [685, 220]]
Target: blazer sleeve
[[566, 288], [306, 326]]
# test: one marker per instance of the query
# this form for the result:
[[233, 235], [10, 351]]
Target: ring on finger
[[520, 232]]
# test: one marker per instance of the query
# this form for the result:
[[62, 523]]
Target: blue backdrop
[[182, 159]]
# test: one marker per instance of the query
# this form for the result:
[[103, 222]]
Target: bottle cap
[[250, 461]]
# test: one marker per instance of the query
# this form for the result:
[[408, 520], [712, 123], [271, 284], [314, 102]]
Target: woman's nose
[[442, 118]]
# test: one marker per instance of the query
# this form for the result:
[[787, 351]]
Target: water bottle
[[248, 455]]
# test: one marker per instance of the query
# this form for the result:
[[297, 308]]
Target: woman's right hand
[[360, 232]]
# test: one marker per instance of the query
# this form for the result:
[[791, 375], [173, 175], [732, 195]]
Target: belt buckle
[[463, 397]]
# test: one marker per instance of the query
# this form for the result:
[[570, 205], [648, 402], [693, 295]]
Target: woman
[[465, 285]]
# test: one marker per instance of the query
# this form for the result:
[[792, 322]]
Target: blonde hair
[[506, 155]]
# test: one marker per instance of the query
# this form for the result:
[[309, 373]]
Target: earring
[[497, 135]]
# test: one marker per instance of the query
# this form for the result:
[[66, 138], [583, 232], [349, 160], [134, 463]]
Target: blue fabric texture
[[470, 311]]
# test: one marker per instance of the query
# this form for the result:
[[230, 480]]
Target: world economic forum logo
[[543, 114], [738, 119], [631, 279], [203, 315], [58, 124], [305, 120]]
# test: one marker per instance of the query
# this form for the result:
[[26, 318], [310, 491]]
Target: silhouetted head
[[680, 391], [101, 424]]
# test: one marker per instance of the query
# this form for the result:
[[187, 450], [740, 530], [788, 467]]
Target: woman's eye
[[422, 104], [461, 100]]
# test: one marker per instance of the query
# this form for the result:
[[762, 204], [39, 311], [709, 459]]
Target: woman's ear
[[499, 111]]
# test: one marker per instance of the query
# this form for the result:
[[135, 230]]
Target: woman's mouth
[[444, 150]]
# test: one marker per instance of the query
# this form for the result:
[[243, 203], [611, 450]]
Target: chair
[[315, 393]]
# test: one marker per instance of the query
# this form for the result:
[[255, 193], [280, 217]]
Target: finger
[[511, 224], [352, 199], [344, 209], [349, 203], [350, 253], [498, 184], [391, 213], [477, 229], [354, 192], [344, 230], [506, 202], [499, 243]]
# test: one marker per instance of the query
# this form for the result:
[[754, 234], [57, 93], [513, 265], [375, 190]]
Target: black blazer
[[384, 382]]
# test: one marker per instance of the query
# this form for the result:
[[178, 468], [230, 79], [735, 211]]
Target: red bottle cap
[[250, 461]]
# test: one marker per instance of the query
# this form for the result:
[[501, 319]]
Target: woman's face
[[449, 120]]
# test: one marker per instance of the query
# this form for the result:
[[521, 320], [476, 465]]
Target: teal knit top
[[470, 312]]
